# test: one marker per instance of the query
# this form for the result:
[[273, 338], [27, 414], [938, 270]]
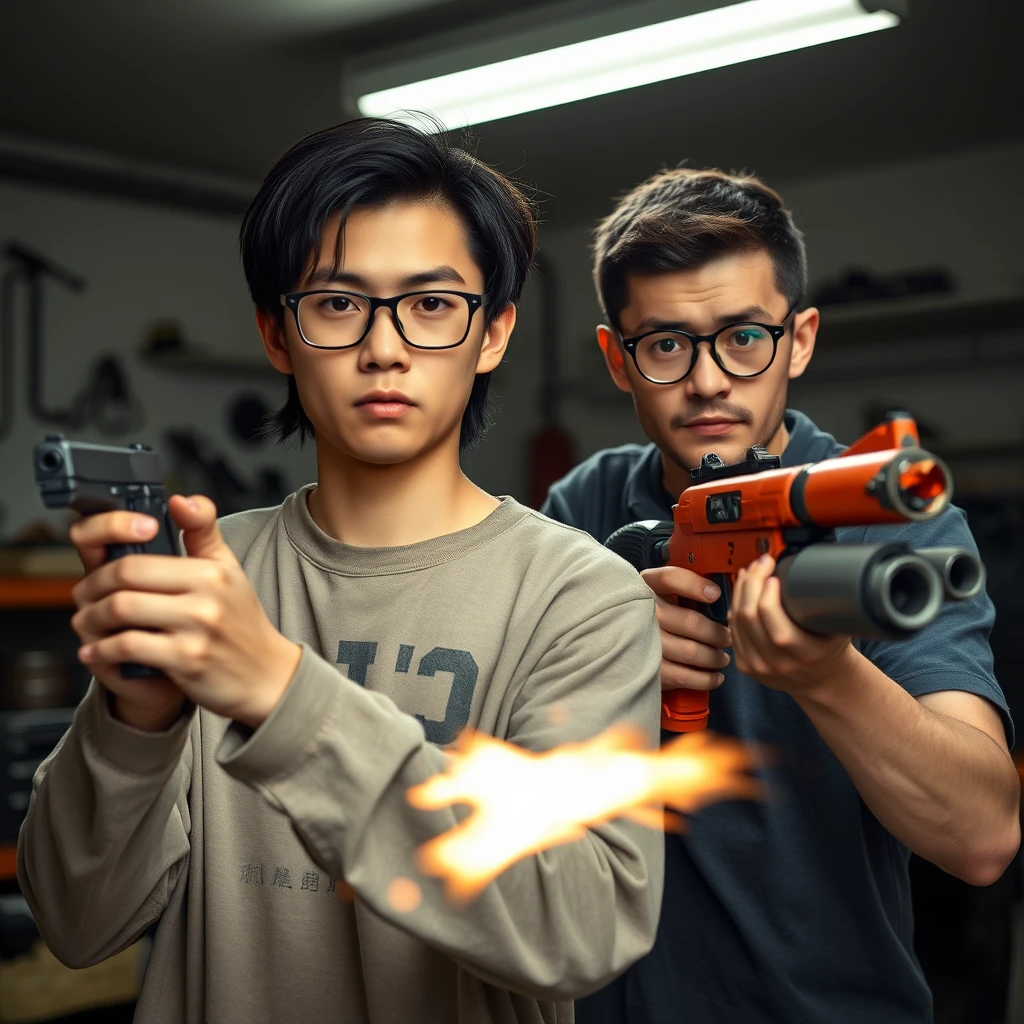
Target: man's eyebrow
[[755, 313], [330, 275], [444, 273]]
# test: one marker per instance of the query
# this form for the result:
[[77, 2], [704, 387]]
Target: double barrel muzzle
[[875, 590]]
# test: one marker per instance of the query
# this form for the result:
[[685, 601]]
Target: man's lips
[[385, 405], [712, 426]]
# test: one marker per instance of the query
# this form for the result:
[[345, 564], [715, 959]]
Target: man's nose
[[707, 379], [383, 347]]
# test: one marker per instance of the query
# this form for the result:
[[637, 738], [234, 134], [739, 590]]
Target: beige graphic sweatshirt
[[243, 844]]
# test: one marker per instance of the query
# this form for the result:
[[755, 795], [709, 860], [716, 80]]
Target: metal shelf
[[906, 319], [1010, 451], [817, 374]]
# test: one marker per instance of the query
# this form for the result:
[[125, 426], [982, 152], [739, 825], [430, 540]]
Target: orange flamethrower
[[731, 515], [524, 802]]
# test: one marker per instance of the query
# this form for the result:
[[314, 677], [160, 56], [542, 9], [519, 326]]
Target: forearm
[[943, 788], [105, 837], [556, 925]]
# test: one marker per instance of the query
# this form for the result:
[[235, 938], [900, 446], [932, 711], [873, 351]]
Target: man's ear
[[496, 337], [805, 333], [613, 357], [271, 330]]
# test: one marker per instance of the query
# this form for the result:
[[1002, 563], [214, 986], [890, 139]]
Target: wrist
[[280, 669], [830, 680], [145, 719]]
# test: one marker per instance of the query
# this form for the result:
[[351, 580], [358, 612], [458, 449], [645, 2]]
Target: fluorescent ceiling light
[[625, 60]]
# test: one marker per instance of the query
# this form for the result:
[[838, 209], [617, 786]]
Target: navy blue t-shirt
[[795, 909]]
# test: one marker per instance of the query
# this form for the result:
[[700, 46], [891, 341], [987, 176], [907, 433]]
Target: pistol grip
[[687, 710], [115, 551], [131, 670], [164, 543]]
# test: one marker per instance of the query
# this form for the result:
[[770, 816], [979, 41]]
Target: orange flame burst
[[524, 802]]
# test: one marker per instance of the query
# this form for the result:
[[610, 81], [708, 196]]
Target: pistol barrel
[[92, 477]]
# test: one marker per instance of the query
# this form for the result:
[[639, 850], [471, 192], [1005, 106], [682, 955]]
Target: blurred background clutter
[[132, 137]]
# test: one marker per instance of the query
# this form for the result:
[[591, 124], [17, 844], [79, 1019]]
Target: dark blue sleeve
[[590, 495], [556, 505], [952, 652]]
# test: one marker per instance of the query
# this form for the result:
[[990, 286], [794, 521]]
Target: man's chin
[[730, 450], [362, 447], [384, 455]]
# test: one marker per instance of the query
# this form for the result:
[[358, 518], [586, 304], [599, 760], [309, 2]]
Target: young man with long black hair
[[230, 800], [797, 908]]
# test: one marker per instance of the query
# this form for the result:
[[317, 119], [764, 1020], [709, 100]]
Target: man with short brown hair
[[795, 909]]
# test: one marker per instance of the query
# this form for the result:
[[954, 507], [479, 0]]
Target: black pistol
[[90, 478]]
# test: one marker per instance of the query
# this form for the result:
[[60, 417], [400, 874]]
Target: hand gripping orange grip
[[682, 709]]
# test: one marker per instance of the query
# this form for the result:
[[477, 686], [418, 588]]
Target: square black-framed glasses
[[775, 332], [474, 302]]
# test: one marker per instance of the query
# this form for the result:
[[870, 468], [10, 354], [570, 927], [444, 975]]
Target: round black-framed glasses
[[331, 319], [668, 355]]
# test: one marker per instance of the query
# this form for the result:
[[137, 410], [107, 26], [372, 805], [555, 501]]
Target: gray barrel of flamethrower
[[869, 590]]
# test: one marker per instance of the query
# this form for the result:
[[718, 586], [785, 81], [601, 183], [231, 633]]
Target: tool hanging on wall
[[106, 401], [552, 449], [217, 478]]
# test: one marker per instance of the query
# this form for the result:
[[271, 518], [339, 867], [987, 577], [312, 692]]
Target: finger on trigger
[[119, 527], [673, 581]]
